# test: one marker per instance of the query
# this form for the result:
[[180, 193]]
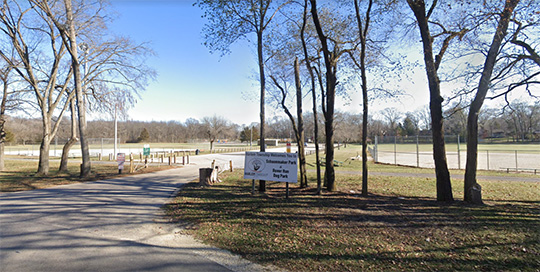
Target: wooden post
[[230, 163], [174, 158], [99, 156], [131, 163], [184, 160], [188, 159], [169, 159]]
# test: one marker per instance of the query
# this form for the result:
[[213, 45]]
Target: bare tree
[[298, 128], [41, 70], [214, 128], [309, 68], [233, 20], [10, 101], [392, 116], [363, 30], [432, 63], [332, 48]]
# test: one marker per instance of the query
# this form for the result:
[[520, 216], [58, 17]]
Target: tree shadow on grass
[[343, 231]]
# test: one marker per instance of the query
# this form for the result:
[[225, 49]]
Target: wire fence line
[[417, 151]]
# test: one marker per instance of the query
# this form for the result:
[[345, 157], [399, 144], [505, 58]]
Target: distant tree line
[[519, 122]]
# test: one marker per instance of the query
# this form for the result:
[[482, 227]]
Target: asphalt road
[[108, 225]]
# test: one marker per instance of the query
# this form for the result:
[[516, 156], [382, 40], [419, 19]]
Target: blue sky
[[193, 83]]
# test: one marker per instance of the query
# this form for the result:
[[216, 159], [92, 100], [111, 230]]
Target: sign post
[[120, 159], [288, 147], [280, 167], [146, 153]]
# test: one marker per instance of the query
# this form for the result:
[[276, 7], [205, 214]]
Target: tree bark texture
[[300, 136], [314, 98], [208, 176], [72, 140], [262, 79], [363, 31], [444, 187], [5, 75], [330, 65], [81, 110], [43, 162], [470, 184]]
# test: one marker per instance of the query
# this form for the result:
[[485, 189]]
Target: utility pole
[[115, 130]]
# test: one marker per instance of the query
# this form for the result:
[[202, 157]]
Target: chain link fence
[[418, 151]]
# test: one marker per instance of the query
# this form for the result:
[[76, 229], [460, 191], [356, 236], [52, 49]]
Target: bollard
[[187, 159], [131, 163]]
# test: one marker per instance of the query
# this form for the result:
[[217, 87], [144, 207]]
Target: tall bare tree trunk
[[72, 140], [483, 87], [330, 65], [72, 36], [4, 75], [43, 163], [262, 79], [313, 97], [363, 31], [300, 137], [444, 186]]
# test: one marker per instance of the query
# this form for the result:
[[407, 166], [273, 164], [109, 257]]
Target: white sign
[[271, 166], [121, 158]]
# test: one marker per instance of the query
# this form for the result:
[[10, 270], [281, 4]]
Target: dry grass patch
[[20, 175], [398, 227]]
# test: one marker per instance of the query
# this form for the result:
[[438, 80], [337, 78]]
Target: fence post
[[458, 154], [487, 151], [131, 163], [516, 160], [417, 153], [395, 150], [376, 155]]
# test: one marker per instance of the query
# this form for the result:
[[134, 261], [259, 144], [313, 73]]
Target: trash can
[[197, 151]]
